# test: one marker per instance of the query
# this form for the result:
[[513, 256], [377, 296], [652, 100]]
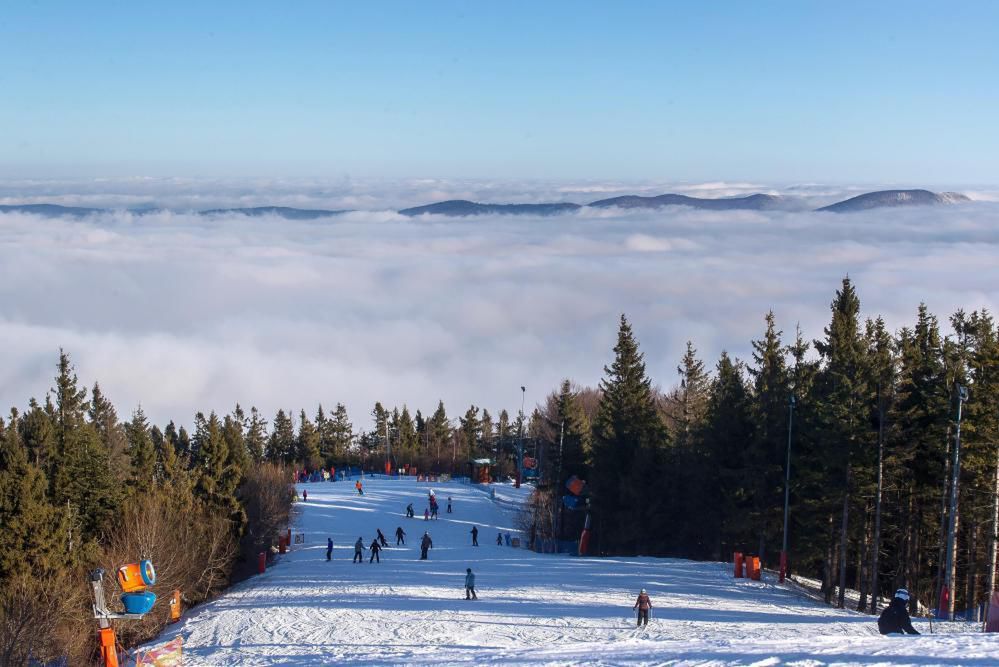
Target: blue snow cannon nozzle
[[138, 603]]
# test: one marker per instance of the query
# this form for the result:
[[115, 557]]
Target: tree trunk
[[844, 540], [861, 582], [953, 565], [827, 570], [970, 596], [876, 538]]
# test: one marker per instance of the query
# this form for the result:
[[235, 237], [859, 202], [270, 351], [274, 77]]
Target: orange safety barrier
[[261, 562], [282, 544], [753, 568], [737, 559]]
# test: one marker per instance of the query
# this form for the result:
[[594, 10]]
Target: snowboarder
[[359, 487], [425, 544], [409, 511], [400, 536], [358, 548], [895, 618], [433, 511], [329, 548], [449, 504], [426, 514], [305, 495], [643, 605], [374, 551], [381, 538], [499, 539], [475, 536], [470, 585]]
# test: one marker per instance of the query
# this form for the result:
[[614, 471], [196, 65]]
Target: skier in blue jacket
[[470, 585]]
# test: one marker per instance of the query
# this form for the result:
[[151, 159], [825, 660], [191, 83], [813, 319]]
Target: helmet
[[643, 590], [468, 569], [902, 593]]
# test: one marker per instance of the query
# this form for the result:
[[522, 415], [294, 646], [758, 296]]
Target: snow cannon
[[134, 577]]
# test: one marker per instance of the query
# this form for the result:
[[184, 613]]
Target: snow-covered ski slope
[[532, 608]]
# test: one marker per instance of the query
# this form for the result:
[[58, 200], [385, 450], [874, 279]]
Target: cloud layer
[[183, 313]]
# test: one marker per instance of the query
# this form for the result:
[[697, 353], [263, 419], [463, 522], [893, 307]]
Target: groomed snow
[[532, 609]]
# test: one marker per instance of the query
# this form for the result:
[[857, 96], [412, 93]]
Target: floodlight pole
[[962, 396], [520, 444], [787, 487]]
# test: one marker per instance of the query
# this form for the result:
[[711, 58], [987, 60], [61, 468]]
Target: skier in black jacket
[[375, 548], [425, 544], [400, 536], [895, 618], [381, 538]]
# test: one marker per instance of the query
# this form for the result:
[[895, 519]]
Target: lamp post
[[948, 589], [556, 486], [520, 439], [787, 486]]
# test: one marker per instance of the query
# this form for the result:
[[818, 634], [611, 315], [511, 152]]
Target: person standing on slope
[[409, 511], [329, 548], [895, 617], [381, 538], [359, 487], [449, 504], [425, 544], [499, 539], [643, 605], [475, 536], [400, 536], [426, 514], [305, 495], [375, 549], [470, 585], [358, 548]]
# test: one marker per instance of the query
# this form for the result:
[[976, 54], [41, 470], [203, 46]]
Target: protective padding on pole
[[783, 565], [282, 544], [737, 559], [175, 606], [944, 605], [109, 652], [261, 562], [753, 568], [992, 620]]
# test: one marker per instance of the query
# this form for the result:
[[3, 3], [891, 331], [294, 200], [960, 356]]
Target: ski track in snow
[[533, 609]]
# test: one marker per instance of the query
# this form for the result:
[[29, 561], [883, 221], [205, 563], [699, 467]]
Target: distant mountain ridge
[[894, 198], [464, 207], [755, 202]]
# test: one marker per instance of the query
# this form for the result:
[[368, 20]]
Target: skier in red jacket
[[643, 605]]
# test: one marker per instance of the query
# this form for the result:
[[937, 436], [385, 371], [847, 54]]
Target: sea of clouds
[[181, 312]]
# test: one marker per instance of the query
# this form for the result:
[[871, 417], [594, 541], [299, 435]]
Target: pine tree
[[628, 443], [342, 433], [34, 534], [282, 443], [308, 443], [470, 432], [256, 436], [235, 440], [140, 450]]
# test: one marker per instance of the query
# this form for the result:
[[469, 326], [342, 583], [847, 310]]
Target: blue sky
[[785, 92]]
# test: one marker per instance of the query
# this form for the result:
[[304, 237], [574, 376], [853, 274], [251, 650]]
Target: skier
[[895, 618], [359, 487], [507, 538], [499, 539], [426, 514], [425, 544], [475, 536], [358, 548], [433, 511], [329, 548], [470, 585], [400, 536], [643, 605], [409, 511], [374, 551], [305, 495], [449, 504], [381, 538]]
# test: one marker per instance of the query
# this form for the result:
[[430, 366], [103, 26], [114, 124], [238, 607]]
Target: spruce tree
[[141, 452], [628, 445], [256, 436], [308, 443], [342, 433], [282, 443]]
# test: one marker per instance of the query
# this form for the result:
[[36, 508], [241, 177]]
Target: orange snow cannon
[[135, 577]]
